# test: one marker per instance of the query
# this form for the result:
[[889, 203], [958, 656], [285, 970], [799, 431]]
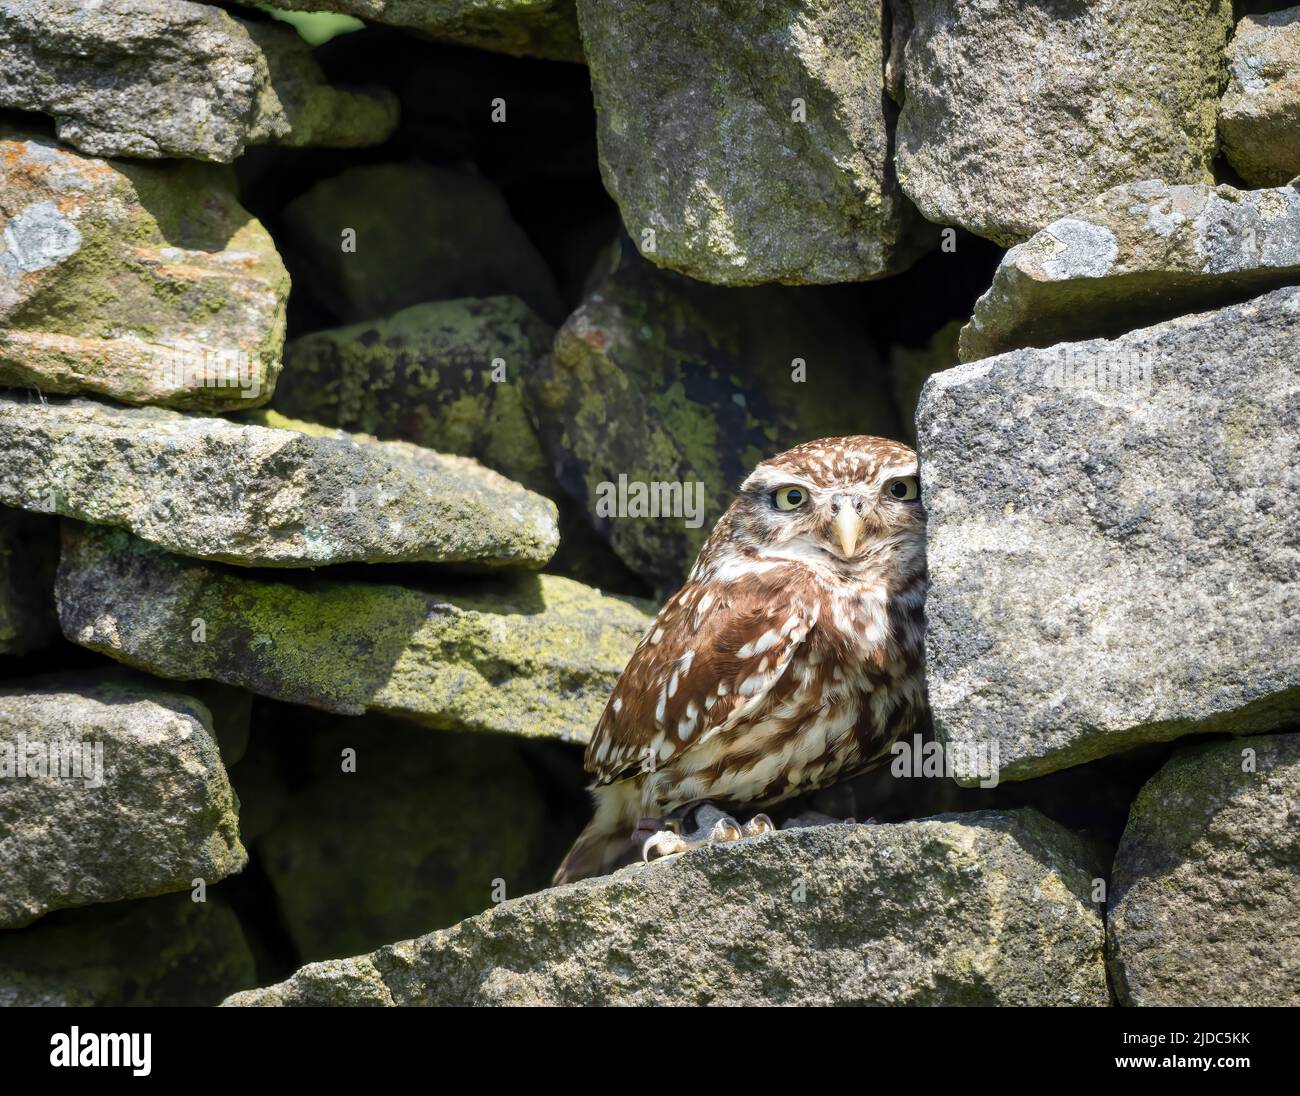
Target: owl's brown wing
[[708, 661]]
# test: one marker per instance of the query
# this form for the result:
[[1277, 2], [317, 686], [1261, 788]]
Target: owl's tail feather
[[606, 840]]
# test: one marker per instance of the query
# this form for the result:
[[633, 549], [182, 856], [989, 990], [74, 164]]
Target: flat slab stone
[[524, 654], [168, 78], [1112, 539], [524, 28], [112, 788], [1140, 253], [974, 909], [264, 495]]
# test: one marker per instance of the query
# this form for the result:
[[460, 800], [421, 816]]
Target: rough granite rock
[[428, 375], [1206, 881], [261, 496], [1140, 253], [976, 909], [524, 28], [754, 140], [169, 951], [29, 551], [1017, 114], [663, 380], [1259, 118], [413, 839], [1112, 539], [170, 78], [139, 803], [145, 283], [469, 246], [519, 654]]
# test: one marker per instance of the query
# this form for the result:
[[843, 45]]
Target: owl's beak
[[848, 528]]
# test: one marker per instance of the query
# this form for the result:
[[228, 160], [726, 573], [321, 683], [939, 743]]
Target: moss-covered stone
[[170, 78], [112, 788], [29, 550], [525, 28], [284, 494], [976, 909], [354, 239], [423, 831], [149, 284], [169, 951], [660, 379], [750, 143], [447, 375], [525, 654], [1206, 881], [1017, 114], [1259, 118]]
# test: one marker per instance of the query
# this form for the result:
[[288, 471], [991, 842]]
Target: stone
[[264, 496], [114, 788], [161, 79], [1259, 117], [429, 375], [415, 837], [524, 28], [351, 243], [662, 380], [753, 142], [1206, 881], [1017, 115], [29, 550], [525, 654], [1138, 254], [910, 367], [976, 909], [1112, 540], [169, 951], [144, 283]]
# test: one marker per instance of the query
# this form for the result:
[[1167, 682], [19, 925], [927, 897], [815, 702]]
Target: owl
[[791, 659]]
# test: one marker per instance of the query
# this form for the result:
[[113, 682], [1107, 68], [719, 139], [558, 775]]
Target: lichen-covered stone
[[752, 141], [110, 788], [522, 654], [1112, 539], [263, 496], [170, 78], [29, 550], [1140, 253], [1259, 118], [524, 28], [975, 909], [447, 375], [662, 380], [146, 283], [353, 241], [1206, 881], [414, 836], [1018, 114], [169, 951], [911, 367]]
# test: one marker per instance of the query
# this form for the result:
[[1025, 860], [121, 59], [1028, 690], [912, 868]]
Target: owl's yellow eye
[[789, 498], [905, 488]]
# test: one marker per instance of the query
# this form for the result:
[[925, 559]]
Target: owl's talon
[[759, 824], [665, 843]]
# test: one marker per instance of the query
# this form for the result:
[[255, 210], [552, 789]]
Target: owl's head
[[835, 500]]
